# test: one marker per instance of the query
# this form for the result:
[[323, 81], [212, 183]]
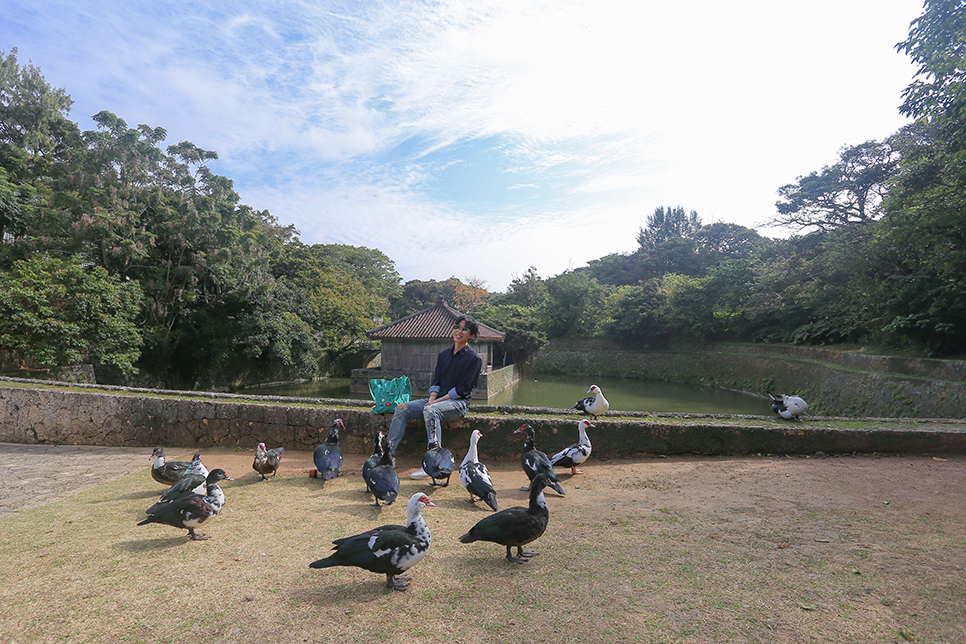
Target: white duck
[[474, 475], [788, 407], [575, 454], [595, 405]]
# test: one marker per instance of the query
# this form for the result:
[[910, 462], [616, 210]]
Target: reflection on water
[[562, 392]]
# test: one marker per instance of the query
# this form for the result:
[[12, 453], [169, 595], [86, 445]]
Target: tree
[[720, 241], [848, 192], [418, 295], [575, 305], [60, 312], [33, 115], [936, 42], [636, 313], [666, 224], [526, 290], [523, 328], [924, 299]]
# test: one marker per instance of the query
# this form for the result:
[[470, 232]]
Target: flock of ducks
[[194, 497]]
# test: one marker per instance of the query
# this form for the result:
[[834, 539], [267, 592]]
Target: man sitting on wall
[[454, 380]]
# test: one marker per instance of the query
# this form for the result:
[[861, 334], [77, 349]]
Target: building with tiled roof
[[409, 347]]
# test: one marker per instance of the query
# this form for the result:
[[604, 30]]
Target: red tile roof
[[434, 323]]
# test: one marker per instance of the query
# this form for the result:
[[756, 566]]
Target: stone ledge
[[94, 416]]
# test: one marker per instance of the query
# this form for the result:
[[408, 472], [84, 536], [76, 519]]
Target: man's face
[[460, 332]]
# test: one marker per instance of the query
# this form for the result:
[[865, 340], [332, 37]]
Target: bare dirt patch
[[682, 549]]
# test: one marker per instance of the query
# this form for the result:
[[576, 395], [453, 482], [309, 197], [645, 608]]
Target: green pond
[[561, 392]]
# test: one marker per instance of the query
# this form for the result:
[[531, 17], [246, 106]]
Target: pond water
[[561, 392]]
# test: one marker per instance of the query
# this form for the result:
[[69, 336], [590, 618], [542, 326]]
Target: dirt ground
[[873, 539]]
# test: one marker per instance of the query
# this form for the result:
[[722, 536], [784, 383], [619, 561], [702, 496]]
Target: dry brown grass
[[724, 549]]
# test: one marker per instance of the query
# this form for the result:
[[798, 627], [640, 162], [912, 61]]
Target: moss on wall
[[833, 383]]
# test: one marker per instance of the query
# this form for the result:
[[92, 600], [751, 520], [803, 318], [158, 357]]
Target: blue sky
[[477, 138]]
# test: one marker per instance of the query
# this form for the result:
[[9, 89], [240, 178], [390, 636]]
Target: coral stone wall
[[95, 415]]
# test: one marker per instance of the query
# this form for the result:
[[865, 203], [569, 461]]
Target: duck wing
[[170, 472], [188, 511], [328, 460], [383, 483], [378, 550], [511, 527], [185, 486], [438, 462], [476, 479], [565, 457]]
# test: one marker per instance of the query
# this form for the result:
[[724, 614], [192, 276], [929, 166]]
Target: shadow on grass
[[142, 494], [153, 545]]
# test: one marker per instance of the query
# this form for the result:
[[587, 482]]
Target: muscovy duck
[[390, 549], [328, 455], [168, 472], [267, 460], [194, 510], [536, 462], [474, 475], [373, 460], [595, 405], [193, 482], [382, 480], [438, 462], [573, 455], [788, 407], [516, 526]]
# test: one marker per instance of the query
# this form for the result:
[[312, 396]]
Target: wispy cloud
[[477, 138]]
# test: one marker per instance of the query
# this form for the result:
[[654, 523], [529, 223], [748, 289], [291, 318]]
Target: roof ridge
[[434, 322]]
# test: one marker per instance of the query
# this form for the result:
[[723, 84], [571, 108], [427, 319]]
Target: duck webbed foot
[[194, 536], [397, 582], [521, 558]]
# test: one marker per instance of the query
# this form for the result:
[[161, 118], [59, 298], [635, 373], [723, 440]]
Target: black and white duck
[[192, 482], [595, 405], [536, 462], [474, 475], [267, 460], [390, 549], [382, 480], [573, 455], [788, 407], [168, 472], [192, 511], [517, 526], [373, 459], [328, 455], [438, 462]]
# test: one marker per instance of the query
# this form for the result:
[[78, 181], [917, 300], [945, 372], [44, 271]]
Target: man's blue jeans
[[440, 412]]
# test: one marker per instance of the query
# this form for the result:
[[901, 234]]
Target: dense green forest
[[134, 256]]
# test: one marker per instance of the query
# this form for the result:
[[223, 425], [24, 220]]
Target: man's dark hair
[[470, 324]]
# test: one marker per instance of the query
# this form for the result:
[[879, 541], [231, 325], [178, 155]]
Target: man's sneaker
[[419, 474]]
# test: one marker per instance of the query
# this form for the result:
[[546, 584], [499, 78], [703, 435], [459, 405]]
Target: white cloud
[[347, 118]]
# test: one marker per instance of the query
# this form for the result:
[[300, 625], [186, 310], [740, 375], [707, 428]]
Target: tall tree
[[33, 115], [848, 192], [666, 224], [937, 44]]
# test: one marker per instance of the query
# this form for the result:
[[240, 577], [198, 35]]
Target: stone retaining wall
[[112, 416], [832, 382]]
